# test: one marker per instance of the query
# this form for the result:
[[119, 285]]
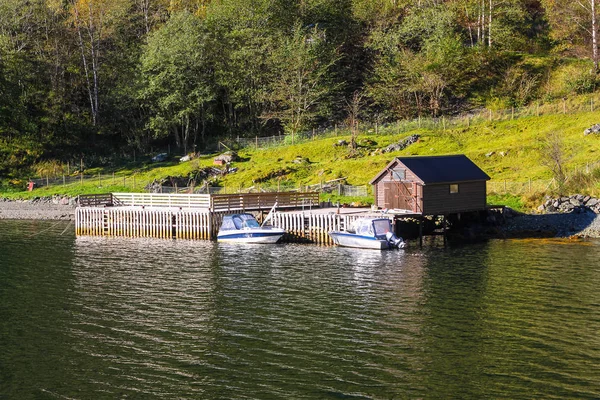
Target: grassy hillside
[[507, 150]]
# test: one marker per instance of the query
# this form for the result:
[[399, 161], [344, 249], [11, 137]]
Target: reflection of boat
[[243, 228], [368, 233]]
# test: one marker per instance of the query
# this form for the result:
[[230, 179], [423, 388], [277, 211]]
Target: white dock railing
[[163, 200]]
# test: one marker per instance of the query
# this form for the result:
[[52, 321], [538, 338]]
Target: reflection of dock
[[188, 216]]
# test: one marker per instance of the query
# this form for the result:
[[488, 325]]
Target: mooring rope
[[68, 225], [45, 230]]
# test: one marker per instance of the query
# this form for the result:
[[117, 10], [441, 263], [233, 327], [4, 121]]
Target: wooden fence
[[263, 201], [215, 202], [163, 200]]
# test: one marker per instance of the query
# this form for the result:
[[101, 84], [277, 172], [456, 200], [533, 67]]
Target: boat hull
[[347, 239], [266, 236]]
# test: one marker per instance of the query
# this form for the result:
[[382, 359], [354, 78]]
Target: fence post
[[256, 141], [81, 178], [47, 181], [63, 180]]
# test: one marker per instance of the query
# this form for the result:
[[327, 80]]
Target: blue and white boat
[[244, 228], [369, 233]]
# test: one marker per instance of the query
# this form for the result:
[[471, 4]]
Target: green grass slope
[[507, 150]]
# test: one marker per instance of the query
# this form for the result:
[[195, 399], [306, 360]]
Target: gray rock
[[593, 129], [401, 145], [575, 201], [591, 202]]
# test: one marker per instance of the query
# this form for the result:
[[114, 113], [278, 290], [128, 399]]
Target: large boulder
[[227, 157], [593, 129]]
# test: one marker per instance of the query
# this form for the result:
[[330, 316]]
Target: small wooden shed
[[431, 185]]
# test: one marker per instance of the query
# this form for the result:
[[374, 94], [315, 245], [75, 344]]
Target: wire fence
[[136, 183], [577, 104], [519, 187]]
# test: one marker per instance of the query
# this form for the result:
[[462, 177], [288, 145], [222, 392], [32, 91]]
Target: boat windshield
[[382, 226], [245, 221]]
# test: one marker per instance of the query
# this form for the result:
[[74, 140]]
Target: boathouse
[[431, 185]]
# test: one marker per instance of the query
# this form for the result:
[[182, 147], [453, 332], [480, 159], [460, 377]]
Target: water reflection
[[146, 312], [110, 318]]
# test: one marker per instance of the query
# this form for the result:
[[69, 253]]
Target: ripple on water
[[177, 319]]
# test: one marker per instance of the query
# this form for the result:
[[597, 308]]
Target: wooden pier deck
[[199, 217]]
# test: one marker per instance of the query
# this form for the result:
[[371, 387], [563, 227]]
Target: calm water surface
[[119, 318]]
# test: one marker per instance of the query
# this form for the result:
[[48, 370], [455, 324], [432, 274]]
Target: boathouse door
[[398, 195]]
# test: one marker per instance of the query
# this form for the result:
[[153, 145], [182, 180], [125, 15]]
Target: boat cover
[[239, 221], [371, 227]]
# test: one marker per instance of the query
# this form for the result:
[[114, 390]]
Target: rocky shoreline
[[584, 224]]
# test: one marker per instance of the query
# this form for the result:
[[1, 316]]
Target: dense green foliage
[[102, 78]]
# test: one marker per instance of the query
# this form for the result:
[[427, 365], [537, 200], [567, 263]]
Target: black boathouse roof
[[439, 169]]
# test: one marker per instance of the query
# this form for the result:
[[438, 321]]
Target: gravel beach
[[584, 224], [47, 209]]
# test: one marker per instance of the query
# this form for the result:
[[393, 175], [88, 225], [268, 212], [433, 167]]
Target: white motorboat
[[244, 228], [369, 233]]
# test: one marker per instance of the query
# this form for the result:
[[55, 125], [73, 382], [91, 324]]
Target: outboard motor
[[395, 241]]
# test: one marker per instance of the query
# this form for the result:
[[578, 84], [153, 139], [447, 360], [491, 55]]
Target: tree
[[574, 24], [302, 64], [94, 21], [177, 78], [354, 108], [419, 65], [554, 155]]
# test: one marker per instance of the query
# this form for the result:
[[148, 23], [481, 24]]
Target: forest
[[108, 77]]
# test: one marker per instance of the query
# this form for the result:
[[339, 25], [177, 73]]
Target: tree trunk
[[85, 63], [594, 36], [490, 24]]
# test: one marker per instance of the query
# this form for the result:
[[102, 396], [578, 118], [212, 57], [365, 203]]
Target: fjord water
[[92, 318]]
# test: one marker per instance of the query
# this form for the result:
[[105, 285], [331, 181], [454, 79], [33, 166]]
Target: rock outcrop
[[566, 204]]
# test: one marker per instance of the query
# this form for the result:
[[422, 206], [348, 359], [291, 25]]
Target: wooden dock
[[199, 217]]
